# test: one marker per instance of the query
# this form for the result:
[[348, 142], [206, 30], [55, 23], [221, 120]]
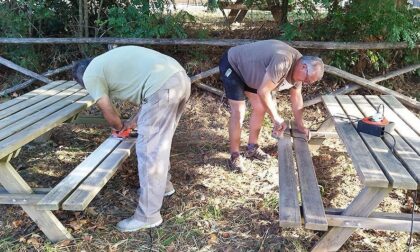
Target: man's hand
[[305, 131], [278, 128], [129, 124]]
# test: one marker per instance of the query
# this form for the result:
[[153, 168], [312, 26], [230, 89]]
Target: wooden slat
[[27, 96], [406, 154], [373, 223], [289, 210], [20, 198], [35, 99], [397, 175], [401, 127], [60, 192], [367, 169], [23, 137], [405, 114], [313, 208], [22, 124], [51, 101], [85, 192], [396, 216]]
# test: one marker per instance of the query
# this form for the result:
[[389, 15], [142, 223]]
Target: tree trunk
[[86, 17], [284, 11], [80, 18]]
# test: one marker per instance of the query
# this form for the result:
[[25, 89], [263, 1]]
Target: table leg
[[46, 220], [364, 203]]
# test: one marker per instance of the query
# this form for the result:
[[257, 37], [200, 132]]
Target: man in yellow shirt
[[160, 84]]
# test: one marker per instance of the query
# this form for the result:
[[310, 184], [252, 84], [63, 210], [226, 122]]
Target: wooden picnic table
[[382, 164], [238, 10], [31, 115], [22, 120]]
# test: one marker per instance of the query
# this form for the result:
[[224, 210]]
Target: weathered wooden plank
[[91, 186], [59, 193], [31, 109], [23, 137], [396, 173], [371, 85], [364, 203], [289, 209], [318, 45], [40, 115], [46, 221], [23, 70], [409, 118], [367, 168], [36, 99], [29, 95], [395, 216], [313, 208], [406, 154], [20, 198], [373, 223], [401, 127]]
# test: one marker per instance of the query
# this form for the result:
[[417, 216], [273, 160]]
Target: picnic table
[[238, 10], [29, 116], [382, 164]]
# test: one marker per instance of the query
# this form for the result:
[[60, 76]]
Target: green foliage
[[136, 21]]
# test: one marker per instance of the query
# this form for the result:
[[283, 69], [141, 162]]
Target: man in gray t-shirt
[[253, 71]]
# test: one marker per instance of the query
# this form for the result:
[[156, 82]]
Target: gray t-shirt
[[252, 61]]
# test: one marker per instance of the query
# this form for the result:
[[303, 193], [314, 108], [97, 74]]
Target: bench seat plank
[[49, 102], [396, 173], [29, 95], [36, 99], [401, 127], [406, 154], [289, 209], [367, 169], [59, 193], [86, 191], [403, 112], [313, 207], [15, 141]]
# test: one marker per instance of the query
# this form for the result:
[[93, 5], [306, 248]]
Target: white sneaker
[[132, 225], [169, 193]]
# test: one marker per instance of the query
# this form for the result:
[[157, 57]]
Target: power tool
[[375, 125], [124, 133]]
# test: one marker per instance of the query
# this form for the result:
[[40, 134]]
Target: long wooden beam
[[31, 81], [23, 70], [353, 87], [372, 85], [209, 42]]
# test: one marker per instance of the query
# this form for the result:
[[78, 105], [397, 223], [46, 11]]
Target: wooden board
[[28, 95], [405, 114], [289, 209], [406, 154], [51, 101], [313, 208], [409, 135], [8, 145], [396, 173], [31, 119], [35, 99], [91, 186], [60, 192], [20, 198], [367, 169]]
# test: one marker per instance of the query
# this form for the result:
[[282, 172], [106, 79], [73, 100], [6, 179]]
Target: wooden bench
[[238, 10], [303, 193], [79, 187]]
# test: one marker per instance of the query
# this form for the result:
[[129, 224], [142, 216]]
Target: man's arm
[[109, 112], [297, 109], [264, 92]]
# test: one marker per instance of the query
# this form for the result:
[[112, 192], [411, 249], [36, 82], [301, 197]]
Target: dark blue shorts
[[232, 82]]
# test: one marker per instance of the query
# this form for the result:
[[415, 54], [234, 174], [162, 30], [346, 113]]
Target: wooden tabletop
[[31, 115], [389, 161]]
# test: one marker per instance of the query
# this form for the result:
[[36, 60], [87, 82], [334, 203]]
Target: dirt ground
[[213, 208]]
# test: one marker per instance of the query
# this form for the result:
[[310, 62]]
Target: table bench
[[382, 164], [238, 10], [294, 158], [31, 115]]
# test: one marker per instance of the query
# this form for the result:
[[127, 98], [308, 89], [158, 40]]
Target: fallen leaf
[[17, 223], [212, 239]]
